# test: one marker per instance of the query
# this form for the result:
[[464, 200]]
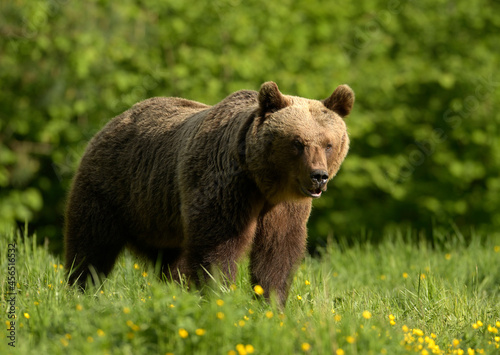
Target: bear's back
[[162, 110]]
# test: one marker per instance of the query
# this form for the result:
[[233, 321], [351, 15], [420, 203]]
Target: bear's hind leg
[[94, 237], [87, 262]]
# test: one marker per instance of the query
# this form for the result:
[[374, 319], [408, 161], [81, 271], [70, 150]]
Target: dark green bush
[[425, 145]]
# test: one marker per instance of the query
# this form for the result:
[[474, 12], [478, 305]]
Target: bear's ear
[[270, 98], [341, 101]]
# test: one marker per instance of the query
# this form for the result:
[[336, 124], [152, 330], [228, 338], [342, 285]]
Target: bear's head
[[296, 145]]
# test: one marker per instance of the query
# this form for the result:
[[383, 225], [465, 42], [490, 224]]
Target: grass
[[393, 297]]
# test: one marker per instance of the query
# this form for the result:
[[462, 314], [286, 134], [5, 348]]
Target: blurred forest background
[[425, 135]]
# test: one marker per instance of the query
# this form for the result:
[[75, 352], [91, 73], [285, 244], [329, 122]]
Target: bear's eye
[[298, 145], [329, 147]]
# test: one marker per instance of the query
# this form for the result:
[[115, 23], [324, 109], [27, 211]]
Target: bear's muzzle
[[319, 180]]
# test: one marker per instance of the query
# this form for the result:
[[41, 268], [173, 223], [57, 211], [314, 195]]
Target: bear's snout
[[317, 183], [319, 178]]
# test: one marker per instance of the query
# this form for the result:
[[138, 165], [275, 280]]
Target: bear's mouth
[[314, 193]]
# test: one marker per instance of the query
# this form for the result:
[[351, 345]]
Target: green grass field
[[393, 297]]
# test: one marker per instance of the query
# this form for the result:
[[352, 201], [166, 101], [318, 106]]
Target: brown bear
[[192, 186]]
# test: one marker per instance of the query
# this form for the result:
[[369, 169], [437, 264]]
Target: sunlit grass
[[391, 298]]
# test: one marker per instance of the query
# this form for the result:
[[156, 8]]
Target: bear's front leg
[[279, 245], [214, 240]]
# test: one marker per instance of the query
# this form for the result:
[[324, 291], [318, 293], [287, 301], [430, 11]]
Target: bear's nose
[[319, 177]]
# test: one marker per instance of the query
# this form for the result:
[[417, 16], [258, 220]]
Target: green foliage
[[424, 131], [345, 300]]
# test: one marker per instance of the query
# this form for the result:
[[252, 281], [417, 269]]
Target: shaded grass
[[339, 303]]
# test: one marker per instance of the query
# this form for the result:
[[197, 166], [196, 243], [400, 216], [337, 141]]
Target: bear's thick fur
[[193, 186]]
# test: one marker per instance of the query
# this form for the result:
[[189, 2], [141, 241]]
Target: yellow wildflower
[[26, 315], [350, 339], [240, 348], [258, 290], [269, 314], [340, 352], [220, 303], [306, 347], [307, 283], [126, 310], [367, 314], [200, 332], [299, 297], [183, 333], [220, 315], [418, 332], [405, 275], [249, 348], [100, 332]]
